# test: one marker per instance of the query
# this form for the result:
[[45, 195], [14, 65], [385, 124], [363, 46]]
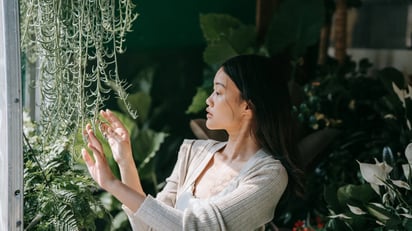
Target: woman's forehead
[[221, 78]]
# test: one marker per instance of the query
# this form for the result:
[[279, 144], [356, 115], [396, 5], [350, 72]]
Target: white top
[[186, 200], [248, 202]]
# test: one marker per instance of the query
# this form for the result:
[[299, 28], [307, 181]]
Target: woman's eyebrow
[[221, 84]]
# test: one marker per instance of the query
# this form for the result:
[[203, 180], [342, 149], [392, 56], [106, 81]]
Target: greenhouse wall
[[11, 153]]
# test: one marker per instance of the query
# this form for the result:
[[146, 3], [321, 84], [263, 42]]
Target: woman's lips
[[208, 114]]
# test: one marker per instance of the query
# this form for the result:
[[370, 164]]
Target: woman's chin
[[209, 125]]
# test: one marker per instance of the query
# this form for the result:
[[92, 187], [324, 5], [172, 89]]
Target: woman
[[233, 185]]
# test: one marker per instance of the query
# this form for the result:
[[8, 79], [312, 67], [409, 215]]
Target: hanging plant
[[74, 45]]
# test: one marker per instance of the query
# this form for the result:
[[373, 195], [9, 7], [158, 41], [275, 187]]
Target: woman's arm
[[119, 141], [248, 206], [100, 171]]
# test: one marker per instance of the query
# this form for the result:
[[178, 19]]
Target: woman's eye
[[216, 92]]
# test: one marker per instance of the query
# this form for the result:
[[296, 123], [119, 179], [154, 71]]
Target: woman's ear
[[247, 109]]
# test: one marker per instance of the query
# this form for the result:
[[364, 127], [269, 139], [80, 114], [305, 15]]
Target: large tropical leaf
[[295, 26], [145, 147], [226, 36], [217, 26], [142, 99], [355, 194]]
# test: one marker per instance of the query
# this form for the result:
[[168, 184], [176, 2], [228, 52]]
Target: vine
[[74, 46]]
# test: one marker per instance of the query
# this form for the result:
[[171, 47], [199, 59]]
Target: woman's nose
[[209, 100]]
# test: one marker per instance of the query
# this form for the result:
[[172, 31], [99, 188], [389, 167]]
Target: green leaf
[[147, 142], [143, 81], [379, 211], [226, 36], [145, 148], [331, 198], [140, 100], [353, 194], [393, 223], [119, 221], [218, 52], [243, 38], [407, 224], [215, 26], [198, 101], [408, 109], [295, 26], [337, 224]]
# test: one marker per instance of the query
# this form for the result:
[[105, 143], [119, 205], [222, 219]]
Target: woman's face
[[225, 105]]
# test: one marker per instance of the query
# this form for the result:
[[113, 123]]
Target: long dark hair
[[263, 83]]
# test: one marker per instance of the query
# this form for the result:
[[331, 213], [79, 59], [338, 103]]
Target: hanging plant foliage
[[75, 45]]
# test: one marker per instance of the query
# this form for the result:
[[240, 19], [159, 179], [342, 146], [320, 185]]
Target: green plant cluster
[[372, 109], [380, 129], [58, 195], [382, 202]]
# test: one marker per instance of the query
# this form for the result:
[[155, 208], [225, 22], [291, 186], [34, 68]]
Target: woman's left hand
[[98, 168], [118, 138]]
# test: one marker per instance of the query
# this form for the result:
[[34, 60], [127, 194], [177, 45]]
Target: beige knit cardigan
[[247, 203]]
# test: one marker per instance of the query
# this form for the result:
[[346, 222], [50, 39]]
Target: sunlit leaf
[[407, 170], [401, 184], [379, 211], [375, 173], [408, 153], [341, 215], [198, 101], [356, 210]]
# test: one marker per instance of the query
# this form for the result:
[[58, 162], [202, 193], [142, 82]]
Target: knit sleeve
[[168, 195], [248, 206], [176, 179]]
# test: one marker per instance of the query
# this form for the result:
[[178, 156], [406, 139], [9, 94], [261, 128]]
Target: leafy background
[[171, 56]]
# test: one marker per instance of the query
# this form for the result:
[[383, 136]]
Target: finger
[[98, 153], [108, 132], [112, 119], [93, 141], [86, 157], [104, 128], [99, 157]]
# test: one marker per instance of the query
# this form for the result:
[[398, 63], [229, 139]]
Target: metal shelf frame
[[11, 128]]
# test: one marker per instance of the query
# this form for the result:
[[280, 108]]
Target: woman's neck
[[240, 147]]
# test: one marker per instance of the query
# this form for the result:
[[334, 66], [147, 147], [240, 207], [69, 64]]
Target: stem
[[35, 221], [35, 159]]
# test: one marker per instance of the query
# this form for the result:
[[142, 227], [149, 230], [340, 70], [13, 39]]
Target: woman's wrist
[[126, 195], [112, 185], [126, 161]]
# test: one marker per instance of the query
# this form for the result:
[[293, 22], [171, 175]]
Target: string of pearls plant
[[75, 45]]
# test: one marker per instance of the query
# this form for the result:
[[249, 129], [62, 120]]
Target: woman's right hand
[[98, 166], [100, 171], [117, 136]]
